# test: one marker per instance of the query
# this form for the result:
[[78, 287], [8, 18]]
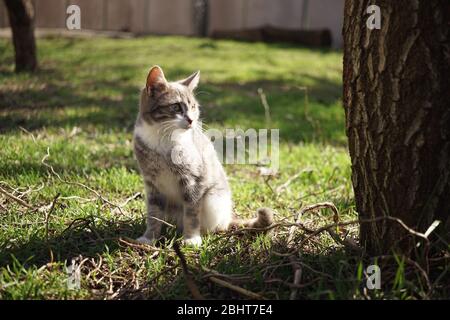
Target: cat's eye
[[175, 107]]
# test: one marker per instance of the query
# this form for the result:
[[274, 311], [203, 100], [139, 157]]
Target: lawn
[[66, 152]]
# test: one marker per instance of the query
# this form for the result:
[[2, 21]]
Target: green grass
[[80, 107]]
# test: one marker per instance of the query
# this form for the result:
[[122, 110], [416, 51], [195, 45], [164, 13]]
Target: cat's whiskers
[[164, 131], [202, 126], [164, 128], [168, 129], [162, 125], [201, 129], [201, 92]]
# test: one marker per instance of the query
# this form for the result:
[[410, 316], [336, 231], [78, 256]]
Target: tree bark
[[397, 108], [21, 19]]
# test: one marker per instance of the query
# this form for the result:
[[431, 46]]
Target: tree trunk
[[201, 9], [21, 15], [397, 108]]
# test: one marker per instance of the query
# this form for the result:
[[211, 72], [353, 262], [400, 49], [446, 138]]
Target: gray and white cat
[[184, 181]]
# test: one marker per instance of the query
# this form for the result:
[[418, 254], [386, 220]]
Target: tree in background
[[397, 105], [21, 16], [201, 17]]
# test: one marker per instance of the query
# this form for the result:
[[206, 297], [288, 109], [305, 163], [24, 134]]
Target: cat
[[184, 180]]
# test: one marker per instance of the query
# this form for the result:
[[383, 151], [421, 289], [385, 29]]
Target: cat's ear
[[192, 81], [156, 82]]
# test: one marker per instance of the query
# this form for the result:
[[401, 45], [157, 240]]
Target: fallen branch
[[244, 292], [322, 205], [297, 277], [349, 244], [134, 196], [187, 275], [342, 224], [18, 200], [280, 188], [234, 277], [28, 132], [48, 213], [145, 247], [163, 222]]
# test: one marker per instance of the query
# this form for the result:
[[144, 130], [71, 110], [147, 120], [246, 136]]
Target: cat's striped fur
[[184, 181]]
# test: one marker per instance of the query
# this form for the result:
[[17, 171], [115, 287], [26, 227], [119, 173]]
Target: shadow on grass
[[113, 105], [311, 115], [83, 236], [329, 273], [252, 262], [56, 104]]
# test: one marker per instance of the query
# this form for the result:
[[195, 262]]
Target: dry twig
[[266, 107], [101, 197], [48, 213], [280, 188], [244, 292], [187, 275], [312, 207], [18, 200], [297, 277]]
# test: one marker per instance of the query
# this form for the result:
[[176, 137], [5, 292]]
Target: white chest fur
[[166, 181]]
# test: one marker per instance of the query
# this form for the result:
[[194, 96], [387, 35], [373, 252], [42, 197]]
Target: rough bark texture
[[397, 105], [21, 15]]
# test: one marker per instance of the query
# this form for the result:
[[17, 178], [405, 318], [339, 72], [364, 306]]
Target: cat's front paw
[[195, 241], [145, 240]]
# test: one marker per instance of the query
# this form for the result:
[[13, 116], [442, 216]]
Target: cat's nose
[[189, 121]]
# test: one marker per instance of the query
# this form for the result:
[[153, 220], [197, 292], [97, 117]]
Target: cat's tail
[[263, 219]]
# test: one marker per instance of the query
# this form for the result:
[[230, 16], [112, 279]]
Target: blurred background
[[192, 17]]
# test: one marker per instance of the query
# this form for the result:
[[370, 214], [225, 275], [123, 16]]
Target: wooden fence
[[181, 16]]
